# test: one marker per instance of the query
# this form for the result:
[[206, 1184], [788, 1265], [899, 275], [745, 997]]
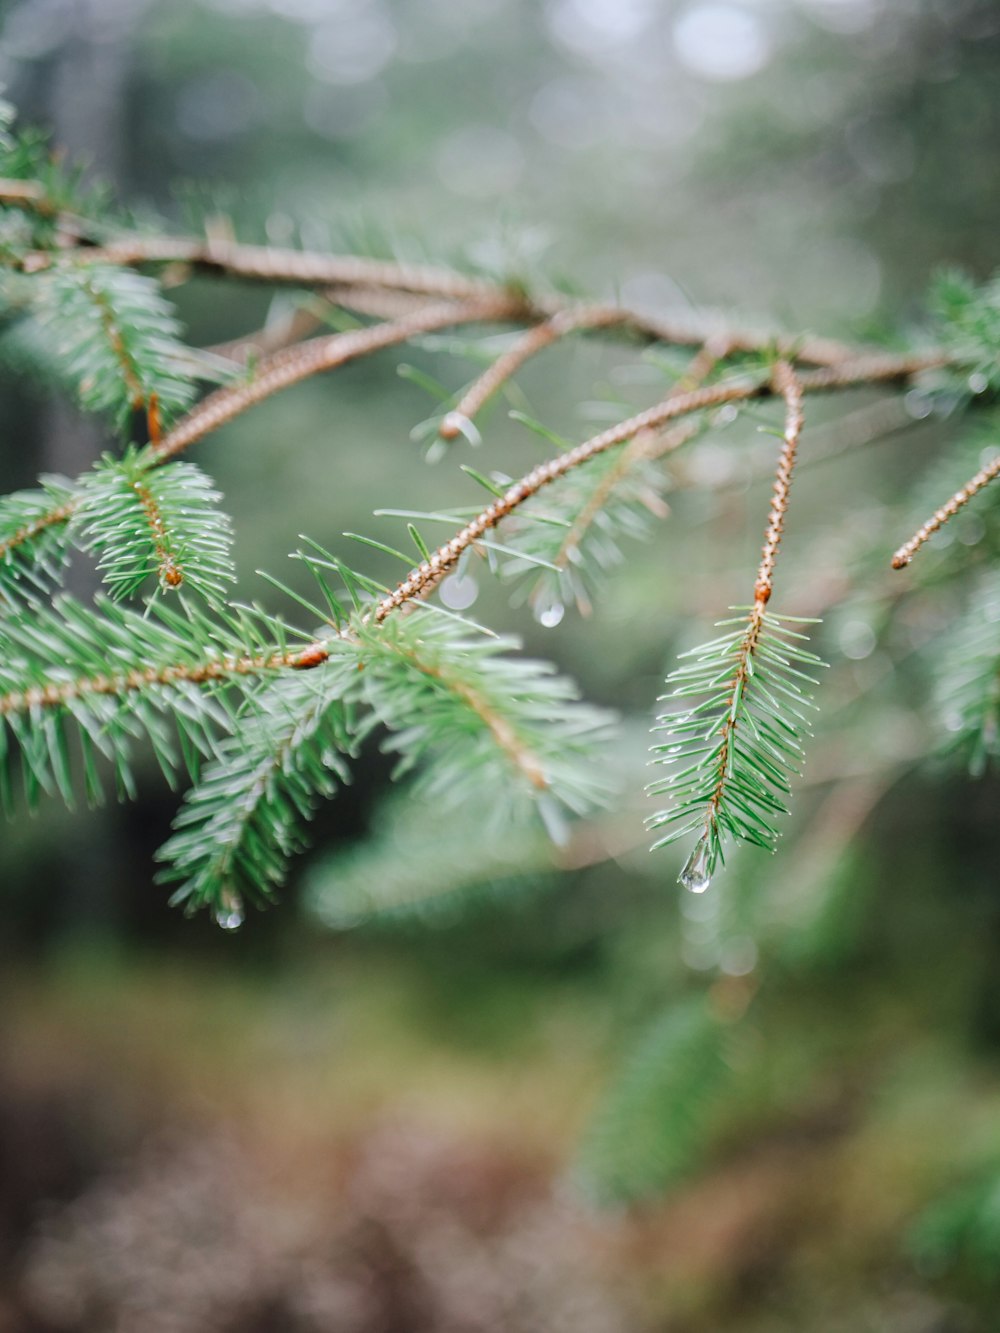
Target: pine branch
[[948, 510], [240, 824], [478, 718], [120, 677], [303, 269], [425, 864], [738, 746], [34, 542], [528, 345], [291, 365], [578, 538], [118, 342], [279, 371], [578, 534], [165, 522]]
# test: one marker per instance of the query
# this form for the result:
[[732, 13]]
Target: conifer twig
[[732, 755], [263, 263], [290, 365], [787, 385], [310, 269], [56, 516], [528, 345], [423, 578], [940, 517]]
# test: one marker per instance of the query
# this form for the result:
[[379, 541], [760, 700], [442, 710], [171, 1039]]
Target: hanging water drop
[[551, 615], [229, 914], [697, 873]]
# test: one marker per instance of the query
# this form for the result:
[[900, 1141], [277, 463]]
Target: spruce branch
[[733, 752], [528, 345], [291, 365], [304, 269], [612, 498], [948, 510], [34, 543], [120, 676], [279, 371], [164, 522], [242, 821], [424, 578], [118, 341], [655, 1120], [457, 701]]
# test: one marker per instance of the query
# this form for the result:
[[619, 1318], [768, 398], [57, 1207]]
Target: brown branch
[[425, 577], [941, 516], [168, 571], [528, 345], [28, 195], [860, 370], [788, 386], [647, 445], [56, 694], [256, 263], [281, 370], [293, 364], [261, 263]]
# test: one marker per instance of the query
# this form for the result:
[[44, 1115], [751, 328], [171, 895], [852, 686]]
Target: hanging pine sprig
[[145, 522], [734, 751]]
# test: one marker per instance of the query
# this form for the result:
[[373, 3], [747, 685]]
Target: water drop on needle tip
[[697, 873]]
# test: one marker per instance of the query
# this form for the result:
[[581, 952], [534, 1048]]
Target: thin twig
[[61, 693], [941, 516], [282, 369], [262, 263], [787, 385], [425, 577], [293, 364], [55, 516], [306, 269], [528, 345]]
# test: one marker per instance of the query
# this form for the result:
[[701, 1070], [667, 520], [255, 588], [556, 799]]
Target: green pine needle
[[478, 718]]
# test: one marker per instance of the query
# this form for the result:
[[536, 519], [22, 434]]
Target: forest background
[[424, 1122]]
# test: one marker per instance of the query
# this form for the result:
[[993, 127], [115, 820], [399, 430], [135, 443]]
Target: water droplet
[[459, 591], [551, 615], [917, 404], [229, 914], [978, 382], [697, 873]]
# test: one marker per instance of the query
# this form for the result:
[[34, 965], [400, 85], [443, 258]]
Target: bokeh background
[[397, 1126]]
